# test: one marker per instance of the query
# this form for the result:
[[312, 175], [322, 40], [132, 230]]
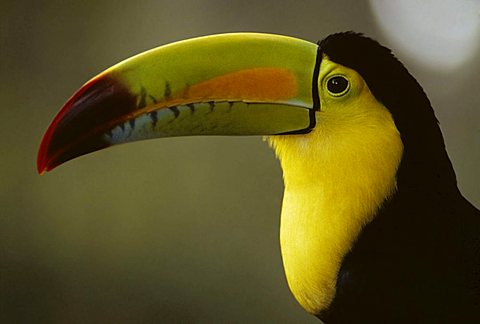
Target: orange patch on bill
[[258, 84]]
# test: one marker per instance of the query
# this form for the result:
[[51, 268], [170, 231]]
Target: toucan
[[373, 226]]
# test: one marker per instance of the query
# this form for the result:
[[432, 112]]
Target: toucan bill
[[228, 84]]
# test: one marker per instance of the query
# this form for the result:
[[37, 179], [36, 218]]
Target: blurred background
[[183, 230]]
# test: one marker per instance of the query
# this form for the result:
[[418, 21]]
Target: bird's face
[[350, 122]]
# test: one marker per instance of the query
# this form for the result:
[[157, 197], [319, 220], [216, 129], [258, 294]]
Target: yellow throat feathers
[[336, 177]]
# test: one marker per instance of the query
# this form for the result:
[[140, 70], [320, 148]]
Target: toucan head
[[229, 84]]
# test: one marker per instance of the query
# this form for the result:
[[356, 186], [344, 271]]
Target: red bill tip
[[77, 128]]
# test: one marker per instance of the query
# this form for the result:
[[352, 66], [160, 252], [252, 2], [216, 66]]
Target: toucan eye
[[338, 85]]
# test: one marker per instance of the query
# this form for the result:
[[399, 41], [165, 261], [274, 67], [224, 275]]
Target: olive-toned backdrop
[[177, 230]]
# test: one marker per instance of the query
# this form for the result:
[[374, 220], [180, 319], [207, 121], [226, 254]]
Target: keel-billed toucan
[[373, 226]]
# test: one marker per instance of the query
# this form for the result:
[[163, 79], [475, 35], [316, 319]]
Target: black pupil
[[337, 84]]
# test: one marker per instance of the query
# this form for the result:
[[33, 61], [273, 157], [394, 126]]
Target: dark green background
[[178, 230]]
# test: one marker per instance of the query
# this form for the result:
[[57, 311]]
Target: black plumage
[[418, 261]]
